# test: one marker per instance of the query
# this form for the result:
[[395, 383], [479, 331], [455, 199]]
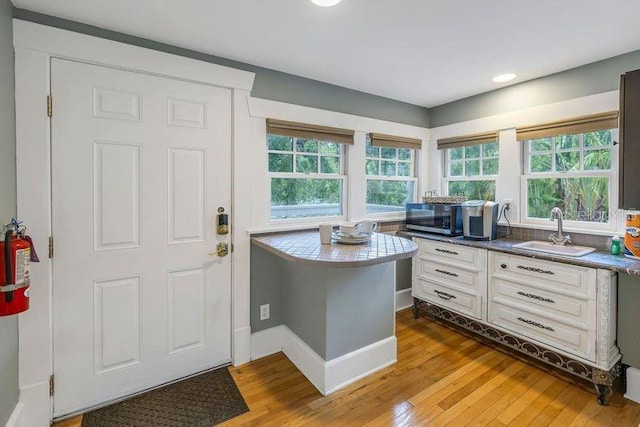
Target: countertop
[[304, 247], [598, 259]]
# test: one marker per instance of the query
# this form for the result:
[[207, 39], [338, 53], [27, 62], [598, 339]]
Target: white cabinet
[[452, 276], [566, 307]]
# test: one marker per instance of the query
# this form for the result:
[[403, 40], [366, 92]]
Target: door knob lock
[[222, 249]]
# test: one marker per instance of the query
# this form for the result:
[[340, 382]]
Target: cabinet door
[[629, 175]]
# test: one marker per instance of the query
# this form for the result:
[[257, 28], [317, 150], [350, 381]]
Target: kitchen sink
[[550, 248]]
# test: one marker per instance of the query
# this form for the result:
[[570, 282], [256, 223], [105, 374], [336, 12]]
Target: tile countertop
[[304, 247], [598, 259]]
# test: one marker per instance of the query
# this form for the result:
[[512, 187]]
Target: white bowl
[[350, 229]]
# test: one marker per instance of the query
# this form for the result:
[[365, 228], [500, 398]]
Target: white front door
[[140, 165]]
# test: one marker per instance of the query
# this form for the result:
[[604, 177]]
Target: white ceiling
[[425, 52]]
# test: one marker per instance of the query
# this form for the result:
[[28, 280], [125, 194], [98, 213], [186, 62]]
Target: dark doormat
[[204, 400]]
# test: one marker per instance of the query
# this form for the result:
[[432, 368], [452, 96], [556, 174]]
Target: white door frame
[[35, 45]]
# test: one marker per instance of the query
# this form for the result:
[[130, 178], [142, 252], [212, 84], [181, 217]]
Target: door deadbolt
[[223, 222]]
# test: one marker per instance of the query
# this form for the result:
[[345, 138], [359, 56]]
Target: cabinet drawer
[[456, 255], [560, 306], [442, 273], [549, 332], [580, 280], [445, 296]]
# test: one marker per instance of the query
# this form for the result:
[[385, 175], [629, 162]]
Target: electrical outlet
[[508, 203], [264, 312]]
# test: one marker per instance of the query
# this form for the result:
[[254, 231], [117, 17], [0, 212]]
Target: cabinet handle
[[448, 273], [535, 270], [444, 295], [503, 265], [536, 324], [446, 251], [538, 297]]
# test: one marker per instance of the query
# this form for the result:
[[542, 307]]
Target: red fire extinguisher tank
[[15, 254]]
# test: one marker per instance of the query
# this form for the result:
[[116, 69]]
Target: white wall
[[508, 185]]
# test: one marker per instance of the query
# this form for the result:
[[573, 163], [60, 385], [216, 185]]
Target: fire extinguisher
[[16, 253]]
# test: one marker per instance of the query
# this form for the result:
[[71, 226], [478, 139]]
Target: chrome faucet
[[558, 238]]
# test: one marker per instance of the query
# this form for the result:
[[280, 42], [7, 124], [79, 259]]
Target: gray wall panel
[[403, 274], [266, 288], [360, 300], [8, 325], [629, 319], [305, 296], [590, 79], [269, 84]]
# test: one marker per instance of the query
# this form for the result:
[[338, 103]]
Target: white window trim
[[615, 222], [399, 214]]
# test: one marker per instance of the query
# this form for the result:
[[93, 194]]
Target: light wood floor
[[441, 378]]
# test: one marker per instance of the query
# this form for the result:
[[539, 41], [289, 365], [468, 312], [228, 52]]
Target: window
[[572, 172], [307, 177], [471, 170], [391, 181]]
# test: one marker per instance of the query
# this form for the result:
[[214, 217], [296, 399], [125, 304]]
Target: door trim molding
[[35, 45]]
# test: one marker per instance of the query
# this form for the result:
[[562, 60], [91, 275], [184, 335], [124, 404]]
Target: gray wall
[[269, 84], [403, 274], [629, 319], [267, 275], [590, 79], [8, 325]]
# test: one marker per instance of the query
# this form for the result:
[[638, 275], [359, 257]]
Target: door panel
[[140, 165]]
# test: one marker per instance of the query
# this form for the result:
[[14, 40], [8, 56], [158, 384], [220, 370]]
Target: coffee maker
[[480, 220]]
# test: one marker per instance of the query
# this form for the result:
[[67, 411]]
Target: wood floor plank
[[441, 378]]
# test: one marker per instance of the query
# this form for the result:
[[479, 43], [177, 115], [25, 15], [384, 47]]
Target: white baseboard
[[267, 342], [15, 417], [347, 369], [241, 346], [403, 299], [306, 360], [34, 407], [326, 376], [633, 384]]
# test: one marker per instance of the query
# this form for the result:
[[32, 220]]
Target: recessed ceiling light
[[326, 3], [504, 78]]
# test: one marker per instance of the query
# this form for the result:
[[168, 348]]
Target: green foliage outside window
[[474, 190], [389, 193], [300, 191]]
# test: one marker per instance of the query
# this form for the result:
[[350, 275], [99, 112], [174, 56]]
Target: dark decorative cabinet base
[[603, 381]]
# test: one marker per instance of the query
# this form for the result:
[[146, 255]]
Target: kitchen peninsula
[[336, 321]]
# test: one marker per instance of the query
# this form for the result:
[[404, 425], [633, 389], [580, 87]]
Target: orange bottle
[[632, 235]]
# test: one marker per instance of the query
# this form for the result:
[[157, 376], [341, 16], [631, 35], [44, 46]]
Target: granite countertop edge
[[597, 259]]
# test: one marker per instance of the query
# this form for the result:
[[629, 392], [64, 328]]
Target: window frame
[[412, 177], [611, 174], [447, 177], [341, 175]]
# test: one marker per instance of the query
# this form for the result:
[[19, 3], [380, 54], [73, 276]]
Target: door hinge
[[51, 247], [51, 385], [49, 106]]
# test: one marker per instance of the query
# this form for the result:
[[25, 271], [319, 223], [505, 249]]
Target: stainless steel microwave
[[440, 218]]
